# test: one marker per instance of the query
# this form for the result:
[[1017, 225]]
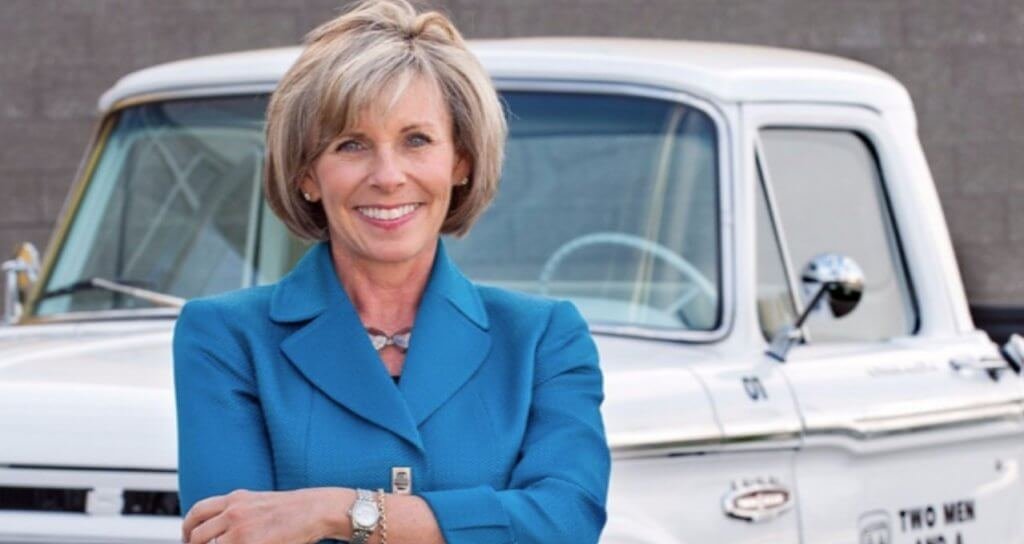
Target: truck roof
[[727, 72]]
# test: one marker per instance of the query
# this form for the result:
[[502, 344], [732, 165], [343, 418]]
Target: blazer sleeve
[[559, 485], [222, 442]]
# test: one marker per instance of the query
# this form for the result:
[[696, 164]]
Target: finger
[[200, 512], [207, 530]]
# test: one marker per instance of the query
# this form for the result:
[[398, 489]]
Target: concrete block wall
[[963, 62]]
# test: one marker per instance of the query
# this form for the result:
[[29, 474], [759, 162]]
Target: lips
[[388, 217], [391, 213]]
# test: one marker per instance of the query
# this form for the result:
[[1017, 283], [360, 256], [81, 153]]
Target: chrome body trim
[[666, 445], [861, 430], [879, 427], [778, 440], [669, 445]]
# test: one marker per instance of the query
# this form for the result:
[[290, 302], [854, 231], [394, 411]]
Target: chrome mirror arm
[[782, 341], [12, 306], [831, 274], [791, 334], [25, 261]]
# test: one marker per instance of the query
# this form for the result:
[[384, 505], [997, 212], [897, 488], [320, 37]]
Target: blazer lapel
[[449, 339], [332, 349]]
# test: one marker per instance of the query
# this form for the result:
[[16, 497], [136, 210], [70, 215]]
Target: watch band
[[364, 500], [360, 536]]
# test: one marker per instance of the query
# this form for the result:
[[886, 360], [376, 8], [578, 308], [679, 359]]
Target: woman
[[374, 394]]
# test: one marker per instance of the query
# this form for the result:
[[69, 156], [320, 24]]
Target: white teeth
[[387, 214]]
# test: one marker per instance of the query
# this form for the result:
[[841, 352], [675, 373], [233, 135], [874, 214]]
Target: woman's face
[[385, 183]]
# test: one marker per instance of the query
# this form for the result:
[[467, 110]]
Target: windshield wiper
[[122, 287]]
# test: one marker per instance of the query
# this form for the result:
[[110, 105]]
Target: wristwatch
[[364, 516]]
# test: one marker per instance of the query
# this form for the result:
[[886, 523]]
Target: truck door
[[912, 424], [673, 474], [749, 489]]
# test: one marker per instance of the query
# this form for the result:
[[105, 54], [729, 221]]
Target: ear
[[463, 168], [309, 185]]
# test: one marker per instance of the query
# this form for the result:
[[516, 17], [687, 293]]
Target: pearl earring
[[463, 181], [307, 197]]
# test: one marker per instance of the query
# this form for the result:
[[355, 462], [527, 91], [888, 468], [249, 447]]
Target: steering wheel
[[699, 283]]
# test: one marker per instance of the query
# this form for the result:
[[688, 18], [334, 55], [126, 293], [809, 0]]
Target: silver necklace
[[381, 339]]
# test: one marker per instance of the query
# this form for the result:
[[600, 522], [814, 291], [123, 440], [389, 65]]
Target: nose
[[387, 174]]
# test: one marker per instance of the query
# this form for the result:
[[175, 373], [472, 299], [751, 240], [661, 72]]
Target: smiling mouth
[[388, 214]]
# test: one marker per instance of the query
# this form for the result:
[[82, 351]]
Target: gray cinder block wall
[[963, 61]]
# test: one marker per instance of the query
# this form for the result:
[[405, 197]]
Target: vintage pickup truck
[[752, 233]]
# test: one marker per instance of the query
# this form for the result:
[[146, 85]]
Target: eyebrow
[[418, 125], [407, 128]]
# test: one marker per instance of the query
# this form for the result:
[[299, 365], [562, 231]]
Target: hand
[[255, 517]]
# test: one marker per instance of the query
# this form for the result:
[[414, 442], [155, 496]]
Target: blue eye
[[417, 140], [348, 146]]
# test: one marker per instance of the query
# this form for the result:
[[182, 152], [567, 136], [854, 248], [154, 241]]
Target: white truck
[[752, 233]]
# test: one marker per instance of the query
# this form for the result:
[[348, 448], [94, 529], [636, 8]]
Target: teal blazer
[[497, 410]]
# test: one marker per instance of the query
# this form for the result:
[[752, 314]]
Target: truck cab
[[752, 234]]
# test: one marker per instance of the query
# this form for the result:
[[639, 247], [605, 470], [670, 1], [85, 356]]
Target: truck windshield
[[171, 206], [608, 200]]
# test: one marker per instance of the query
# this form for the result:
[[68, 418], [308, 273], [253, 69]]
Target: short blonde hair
[[370, 51]]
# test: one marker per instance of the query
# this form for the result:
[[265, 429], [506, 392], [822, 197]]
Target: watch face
[[365, 515]]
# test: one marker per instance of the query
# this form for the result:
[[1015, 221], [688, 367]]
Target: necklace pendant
[[399, 339]]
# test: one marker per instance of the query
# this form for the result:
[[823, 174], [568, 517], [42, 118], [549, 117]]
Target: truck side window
[[827, 196]]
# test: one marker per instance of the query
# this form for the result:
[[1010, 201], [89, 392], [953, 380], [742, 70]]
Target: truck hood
[[101, 394], [95, 395]]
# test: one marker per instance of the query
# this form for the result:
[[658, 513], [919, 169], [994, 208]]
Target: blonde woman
[[375, 394]]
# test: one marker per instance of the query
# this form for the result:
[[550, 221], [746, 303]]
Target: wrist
[[333, 504], [365, 517]]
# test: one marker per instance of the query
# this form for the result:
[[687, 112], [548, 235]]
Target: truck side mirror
[[830, 274], [20, 274]]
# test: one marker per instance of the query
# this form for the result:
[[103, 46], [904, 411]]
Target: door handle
[[969, 364], [1013, 351]]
